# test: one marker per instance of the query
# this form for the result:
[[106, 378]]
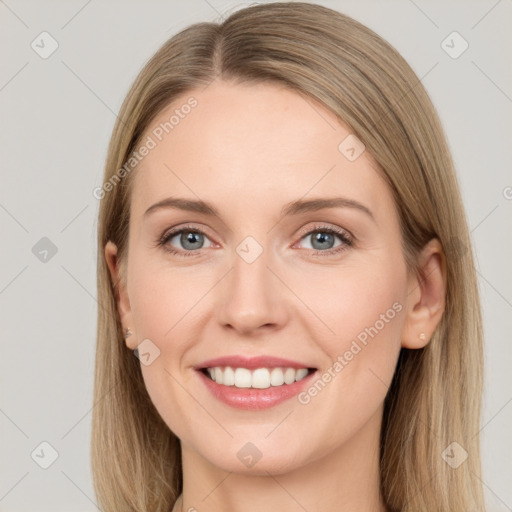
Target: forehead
[[251, 146]]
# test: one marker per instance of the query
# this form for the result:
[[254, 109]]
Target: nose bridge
[[252, 297]]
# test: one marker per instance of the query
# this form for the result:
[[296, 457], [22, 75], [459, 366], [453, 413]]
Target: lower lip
[[251, 398]]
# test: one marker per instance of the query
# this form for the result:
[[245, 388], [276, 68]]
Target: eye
[[184, 241], [322, 239]]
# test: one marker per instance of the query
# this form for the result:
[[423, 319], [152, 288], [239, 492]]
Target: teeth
[[219, 375], [242, 377], [289, 376], [276, 377], [260, 378], [229, 377]]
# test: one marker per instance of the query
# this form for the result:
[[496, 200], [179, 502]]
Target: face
[[267, 282]]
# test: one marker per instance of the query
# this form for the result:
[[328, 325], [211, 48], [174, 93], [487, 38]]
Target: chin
[[257, 458]]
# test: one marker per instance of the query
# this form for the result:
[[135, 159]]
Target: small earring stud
[[128, 333], [423, 336]]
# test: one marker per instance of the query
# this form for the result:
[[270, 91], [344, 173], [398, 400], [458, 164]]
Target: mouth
[[254, 383]]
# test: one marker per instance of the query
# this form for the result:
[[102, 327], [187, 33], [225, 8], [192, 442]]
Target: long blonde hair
[[434, 399]]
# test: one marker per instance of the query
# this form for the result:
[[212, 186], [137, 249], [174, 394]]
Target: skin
[[249, 150]]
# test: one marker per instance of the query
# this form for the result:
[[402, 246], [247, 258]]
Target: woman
[[290, 317]]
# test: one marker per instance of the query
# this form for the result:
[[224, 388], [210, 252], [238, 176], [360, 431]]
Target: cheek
[[365, 309], [163, 308], [164, 302], [360, 303], [162, 297]]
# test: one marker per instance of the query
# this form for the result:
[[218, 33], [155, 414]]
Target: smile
[[254, 383]]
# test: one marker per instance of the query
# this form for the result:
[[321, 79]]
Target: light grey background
[[56, 118]]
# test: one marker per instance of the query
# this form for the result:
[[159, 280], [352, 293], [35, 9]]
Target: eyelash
[[342, 234]]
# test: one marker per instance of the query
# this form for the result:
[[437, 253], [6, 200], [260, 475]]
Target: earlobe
[[426, 297], [122, 299]]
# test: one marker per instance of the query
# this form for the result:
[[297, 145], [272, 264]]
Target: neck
[[347, 479]]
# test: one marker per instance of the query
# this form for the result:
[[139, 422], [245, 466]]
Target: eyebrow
[[294, 208]]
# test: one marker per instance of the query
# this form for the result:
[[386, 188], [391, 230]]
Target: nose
[[253, 298]]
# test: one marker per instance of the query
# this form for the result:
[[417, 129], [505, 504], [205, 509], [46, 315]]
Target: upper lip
[[251, 362]]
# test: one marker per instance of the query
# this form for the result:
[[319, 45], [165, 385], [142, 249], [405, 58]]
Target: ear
[[122, 300], [426, 297]]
